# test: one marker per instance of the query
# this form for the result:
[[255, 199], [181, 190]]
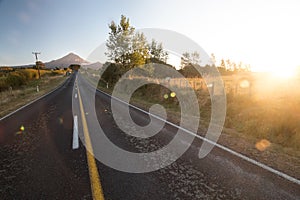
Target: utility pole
[[36, 62]]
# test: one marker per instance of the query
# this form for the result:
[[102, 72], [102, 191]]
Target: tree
[[188, 63], [111, 74], [119, 42], [140, 50], [228, 65], [195, 58], [190, 59], [129, 49], [157, 53], [223, 65], [240, 66], [213, 59], [190, 71], [185, 60]]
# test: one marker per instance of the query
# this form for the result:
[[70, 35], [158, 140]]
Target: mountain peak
[[66, 61], [71, 54]]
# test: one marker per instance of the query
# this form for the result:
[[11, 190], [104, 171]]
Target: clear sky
[[264, 34]]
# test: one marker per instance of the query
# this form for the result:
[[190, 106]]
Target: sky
[[264, 34]]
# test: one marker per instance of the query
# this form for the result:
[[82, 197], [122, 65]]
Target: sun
[[283, 73]]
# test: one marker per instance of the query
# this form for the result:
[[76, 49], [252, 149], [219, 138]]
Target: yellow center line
[[96, 187]]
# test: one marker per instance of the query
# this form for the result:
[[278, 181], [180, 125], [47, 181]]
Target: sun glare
[[283, 73]]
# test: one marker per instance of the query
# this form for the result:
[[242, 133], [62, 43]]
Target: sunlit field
[[260, 106], [270, 111]]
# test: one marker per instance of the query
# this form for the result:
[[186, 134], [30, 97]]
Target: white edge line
[[75, 144], [35, 100], [266, 167]]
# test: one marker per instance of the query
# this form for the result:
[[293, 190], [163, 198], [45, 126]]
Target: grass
[[263, 124], [11, 100], [268, 113], [274, 117], [20, 77]]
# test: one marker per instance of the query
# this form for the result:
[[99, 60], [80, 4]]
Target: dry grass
[[263, 124], [271, 113]]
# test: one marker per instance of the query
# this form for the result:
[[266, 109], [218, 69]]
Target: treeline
[[190, 60], [127, 49]]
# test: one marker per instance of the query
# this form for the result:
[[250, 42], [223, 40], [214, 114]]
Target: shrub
[[3, 84], [30, 74], [15, 79]]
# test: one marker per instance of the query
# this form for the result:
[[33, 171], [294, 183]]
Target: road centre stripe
[[96, 187]]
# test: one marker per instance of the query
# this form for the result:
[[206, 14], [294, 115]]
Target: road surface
[[40, 163]]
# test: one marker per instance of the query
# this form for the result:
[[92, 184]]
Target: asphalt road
[[39, 162]]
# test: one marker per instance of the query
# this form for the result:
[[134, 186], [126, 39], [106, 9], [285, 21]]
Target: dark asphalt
[[39, 162]]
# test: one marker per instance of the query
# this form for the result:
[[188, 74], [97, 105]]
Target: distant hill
[[96, 65], [23, 66], [66, 61]]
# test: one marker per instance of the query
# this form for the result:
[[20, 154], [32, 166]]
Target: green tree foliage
[[140, 50], [130, 48], [185, 60], [188, 63], [112, 73], [119, 43], [15, 79], [190, 71], [127, 49], [195, 58], [157, 54], [190, 59]]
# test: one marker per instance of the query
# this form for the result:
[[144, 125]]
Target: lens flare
[[22, 128], [262, 145], [60, 120], [173, 94], [244, 84]]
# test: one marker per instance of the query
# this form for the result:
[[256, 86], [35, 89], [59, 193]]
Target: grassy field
[[262, 121], [22, 88], [268, 110]]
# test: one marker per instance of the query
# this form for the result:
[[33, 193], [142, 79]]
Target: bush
[[30, 74], [3, 85], [15, 79]]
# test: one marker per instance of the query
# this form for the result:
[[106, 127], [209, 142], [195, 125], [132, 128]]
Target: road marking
[[76, 96], [75, 144], [96, 187]]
